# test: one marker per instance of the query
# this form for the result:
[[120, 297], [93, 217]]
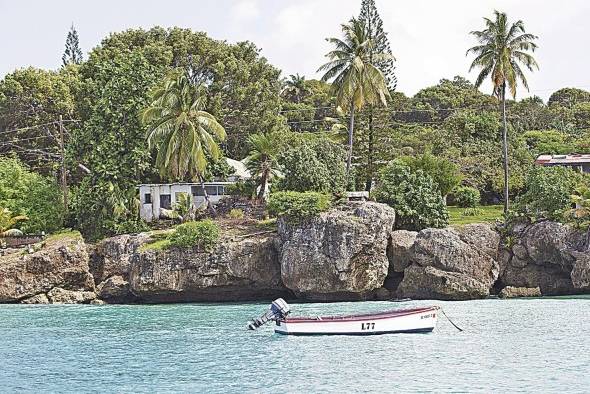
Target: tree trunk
[[505, 147], [350, 137], [263, 182], [209, 205], [370, 149]]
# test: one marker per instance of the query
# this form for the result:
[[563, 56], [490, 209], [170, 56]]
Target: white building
[[157, 197]]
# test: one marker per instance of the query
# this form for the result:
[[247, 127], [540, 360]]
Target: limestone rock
[[514, 292], [97, 302], [62, 262], [235, 270], [36, 299], [112, 256], [580, 274], [339, 255], [429, 282], [115, 290], [398, 251], [57, 295]]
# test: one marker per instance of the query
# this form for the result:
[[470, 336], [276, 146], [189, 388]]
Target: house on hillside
[[157, 198], [578, 162]]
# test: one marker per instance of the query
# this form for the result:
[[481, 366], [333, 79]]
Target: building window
[[221, 190], [211, 190], [165, 201], [197, 191], [147, 198]]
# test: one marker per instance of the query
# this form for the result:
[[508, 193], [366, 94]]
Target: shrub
[[315, 165], [413, 195], [443, 172], [548, 193], [297, 205], [241, 189], [27, 193], [236, 213], [466, 197], [202, 234]]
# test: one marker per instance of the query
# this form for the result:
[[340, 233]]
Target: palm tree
[[295, 87], [502, 49], [356, 79], [180, 130], [262, 159]]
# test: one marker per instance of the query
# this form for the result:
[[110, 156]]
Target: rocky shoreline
[[352, 252]]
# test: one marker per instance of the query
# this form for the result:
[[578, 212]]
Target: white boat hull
[[406, 321]]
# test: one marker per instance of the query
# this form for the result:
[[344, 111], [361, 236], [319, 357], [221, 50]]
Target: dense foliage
[[466, 197], [443, 172], [30, 194], [202, 235], [548, 193], [414, 196], [316, 164], [298, 206]]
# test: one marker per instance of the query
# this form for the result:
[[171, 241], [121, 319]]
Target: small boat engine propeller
[[279, 309]]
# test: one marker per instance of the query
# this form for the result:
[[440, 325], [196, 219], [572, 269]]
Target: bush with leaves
[[466, 197], [236, 213], [548, 193], [314, 165], [298, 205], [443, 172], [202, 235], [414, 196], [27, 193]]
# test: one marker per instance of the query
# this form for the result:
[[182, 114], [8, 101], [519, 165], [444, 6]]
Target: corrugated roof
[[573, 159]]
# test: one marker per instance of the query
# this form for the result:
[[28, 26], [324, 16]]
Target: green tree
[[31, 102], [568, 97], [181, 132], [548, 192], [548, 142], [370, 17], [356, 80], [316, 164], [26, 193], [502, 48], [295, 88], [262, 160], [414, 196], [443, 172], [72, 53]]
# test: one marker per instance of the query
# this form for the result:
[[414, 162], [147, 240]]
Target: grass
[[159, 244], [489, 213], [63, 234]]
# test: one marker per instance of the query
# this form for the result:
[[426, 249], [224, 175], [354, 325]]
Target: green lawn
[[489, 213]]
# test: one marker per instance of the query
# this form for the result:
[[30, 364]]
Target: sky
[[429, 38]]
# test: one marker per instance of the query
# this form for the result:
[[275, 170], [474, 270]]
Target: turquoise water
[[540, 345]]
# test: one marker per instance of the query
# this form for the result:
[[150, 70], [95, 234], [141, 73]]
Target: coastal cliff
[[351, 252]]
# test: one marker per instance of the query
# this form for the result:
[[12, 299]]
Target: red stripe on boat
[[369, 316]]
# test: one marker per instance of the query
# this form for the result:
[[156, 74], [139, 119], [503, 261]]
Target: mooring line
[[450, 321]]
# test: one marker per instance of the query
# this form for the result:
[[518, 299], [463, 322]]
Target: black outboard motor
[[278, 310]]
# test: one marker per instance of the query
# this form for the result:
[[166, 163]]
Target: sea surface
[[525, 345]]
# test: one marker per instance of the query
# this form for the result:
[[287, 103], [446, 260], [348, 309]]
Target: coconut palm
[[295, 87], [503, 48], [262, 159], [356, 79], [182, 133]]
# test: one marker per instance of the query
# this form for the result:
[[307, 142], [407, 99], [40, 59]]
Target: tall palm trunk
[[350, 138], [505, 147], [370, 149]]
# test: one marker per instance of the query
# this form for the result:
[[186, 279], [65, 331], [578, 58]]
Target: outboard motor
[[278, 310]]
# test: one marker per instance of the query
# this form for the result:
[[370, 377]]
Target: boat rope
[[450, 321]]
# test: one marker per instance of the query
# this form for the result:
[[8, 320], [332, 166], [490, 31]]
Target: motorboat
[[416, 320]]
